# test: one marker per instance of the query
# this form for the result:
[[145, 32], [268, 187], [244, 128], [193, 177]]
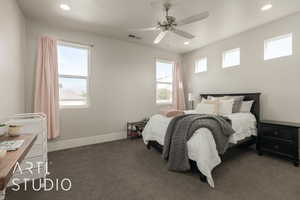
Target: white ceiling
[[114, 18]]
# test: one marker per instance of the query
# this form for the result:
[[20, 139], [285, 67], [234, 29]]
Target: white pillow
[[246, 106], [225, 107], [205, 108], [214, 102]]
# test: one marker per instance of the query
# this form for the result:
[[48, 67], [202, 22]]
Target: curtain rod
[[68, 41]]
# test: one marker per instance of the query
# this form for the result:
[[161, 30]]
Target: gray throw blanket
[[182, 128]]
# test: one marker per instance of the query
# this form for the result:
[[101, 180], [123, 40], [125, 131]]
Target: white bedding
[[201, 146]]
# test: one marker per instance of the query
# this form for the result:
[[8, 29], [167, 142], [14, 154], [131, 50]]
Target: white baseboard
[[84, 141]]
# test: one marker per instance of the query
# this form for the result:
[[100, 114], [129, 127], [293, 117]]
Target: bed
[[202, 147]]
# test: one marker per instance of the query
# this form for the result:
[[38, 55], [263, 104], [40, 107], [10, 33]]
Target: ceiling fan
[[170, 24]]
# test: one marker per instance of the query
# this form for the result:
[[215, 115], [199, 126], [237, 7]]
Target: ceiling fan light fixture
[[65, 7], [266, 7]]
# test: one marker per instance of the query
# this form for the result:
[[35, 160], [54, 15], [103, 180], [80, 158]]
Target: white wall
[[122, 82], [12, 40], [277, 79]]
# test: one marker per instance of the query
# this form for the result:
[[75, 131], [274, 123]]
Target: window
[[231, 58], [279, 47], [201, 65], [164, 80], [73, 70]]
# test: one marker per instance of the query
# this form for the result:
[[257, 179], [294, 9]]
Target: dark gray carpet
[[126, 170]]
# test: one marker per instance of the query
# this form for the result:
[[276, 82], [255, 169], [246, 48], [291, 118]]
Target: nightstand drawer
[[275, 146], [281, 138], [278, 132]]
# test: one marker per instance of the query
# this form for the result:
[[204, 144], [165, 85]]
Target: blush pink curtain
[[46, 88], [178, 94]]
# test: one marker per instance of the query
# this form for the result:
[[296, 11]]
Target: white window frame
[[277, 38], [162, 82], [230, 51], [87, 78], [197, 66]]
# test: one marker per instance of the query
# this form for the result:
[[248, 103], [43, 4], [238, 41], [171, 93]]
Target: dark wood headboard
[[248, 96]]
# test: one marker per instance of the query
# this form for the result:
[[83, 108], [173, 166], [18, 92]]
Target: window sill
[[74, 107], [231, 66], [273, 58]]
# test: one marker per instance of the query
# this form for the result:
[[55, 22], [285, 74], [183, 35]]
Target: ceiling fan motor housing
[[168, 24], [171, 20]]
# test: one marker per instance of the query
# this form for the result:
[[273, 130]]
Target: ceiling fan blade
[[193, 19], [146, 29], [182, 33], [160, 37]]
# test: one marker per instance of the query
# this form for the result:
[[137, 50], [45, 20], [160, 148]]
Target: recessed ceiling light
[[186, 43], [266, 7], [65, 7]]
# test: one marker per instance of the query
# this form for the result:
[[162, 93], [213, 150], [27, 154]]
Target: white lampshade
[[191, 97]]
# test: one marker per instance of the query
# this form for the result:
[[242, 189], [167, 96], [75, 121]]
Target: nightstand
[[279, 138], [135, 129]]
